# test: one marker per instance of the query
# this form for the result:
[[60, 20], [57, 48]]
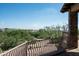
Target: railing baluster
[[29, 49], [32, 48], [35, 48], [26, 49], [39, 47], [42, 47]]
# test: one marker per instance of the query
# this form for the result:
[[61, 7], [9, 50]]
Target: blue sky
[[31, 16]]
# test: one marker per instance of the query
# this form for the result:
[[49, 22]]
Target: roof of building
[[66, 6]]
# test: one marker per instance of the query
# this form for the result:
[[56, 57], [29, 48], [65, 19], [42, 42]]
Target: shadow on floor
[[68, 54], [53, 53], [62, 53]]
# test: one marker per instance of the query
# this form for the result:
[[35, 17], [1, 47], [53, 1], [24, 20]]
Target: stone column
[[73, 31]]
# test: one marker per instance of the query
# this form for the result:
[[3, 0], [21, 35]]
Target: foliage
[[10, 38]]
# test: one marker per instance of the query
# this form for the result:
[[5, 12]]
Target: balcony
[[37, 47], [41, 47]]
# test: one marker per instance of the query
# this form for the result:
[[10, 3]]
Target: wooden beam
[[66, 7], [73, 30], [75, 8]]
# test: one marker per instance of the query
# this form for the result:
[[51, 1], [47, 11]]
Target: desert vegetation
[[10, 38]]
